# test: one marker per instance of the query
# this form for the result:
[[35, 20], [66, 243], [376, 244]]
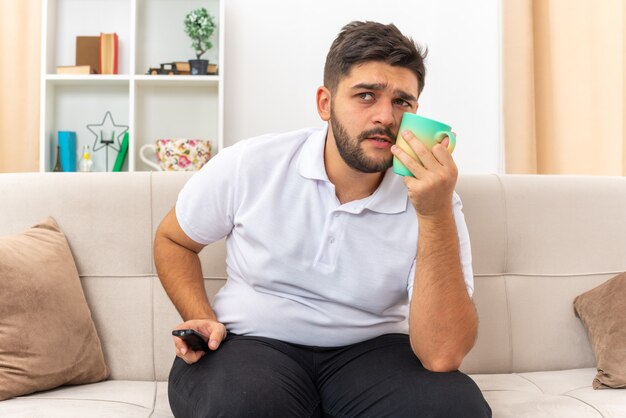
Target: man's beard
[[350, 149]]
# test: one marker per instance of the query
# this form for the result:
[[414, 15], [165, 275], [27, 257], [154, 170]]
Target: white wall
[[276, 51]]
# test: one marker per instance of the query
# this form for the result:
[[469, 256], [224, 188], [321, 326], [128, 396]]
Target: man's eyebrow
[[369, 86], [381, 86], [405, 96]]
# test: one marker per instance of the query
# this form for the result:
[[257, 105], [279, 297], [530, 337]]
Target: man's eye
[[366, 96], [403, 103]]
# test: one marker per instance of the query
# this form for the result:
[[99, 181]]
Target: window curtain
[[564, 88], [20, 39]]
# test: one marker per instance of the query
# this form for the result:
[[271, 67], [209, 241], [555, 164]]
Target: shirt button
[[336, 215], [332, 240]]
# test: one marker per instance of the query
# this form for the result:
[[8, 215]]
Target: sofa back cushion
[[537, 243], [106, 219]]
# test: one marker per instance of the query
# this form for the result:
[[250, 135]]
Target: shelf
[[94, 79], [144, 80], [67, 19], [187, 80], [151, 32]]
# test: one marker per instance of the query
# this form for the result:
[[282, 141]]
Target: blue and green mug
[[428, 131]]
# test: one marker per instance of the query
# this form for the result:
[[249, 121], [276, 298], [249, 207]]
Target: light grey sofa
[[538, 241]]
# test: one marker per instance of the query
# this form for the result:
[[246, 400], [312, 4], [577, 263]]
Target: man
[[331, 308]]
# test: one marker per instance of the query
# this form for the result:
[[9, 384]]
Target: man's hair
[[360, 42]]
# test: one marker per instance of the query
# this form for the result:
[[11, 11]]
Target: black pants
[[262, 377]]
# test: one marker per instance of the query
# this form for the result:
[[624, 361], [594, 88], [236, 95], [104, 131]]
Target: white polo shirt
[[302, 267]]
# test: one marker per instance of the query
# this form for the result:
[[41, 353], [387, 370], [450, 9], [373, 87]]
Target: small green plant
[[199, 26]]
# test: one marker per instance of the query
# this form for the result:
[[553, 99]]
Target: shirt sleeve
[[465, 249], [206, 205]]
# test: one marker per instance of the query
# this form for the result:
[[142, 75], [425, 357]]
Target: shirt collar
[[311, 158], [390, 197]]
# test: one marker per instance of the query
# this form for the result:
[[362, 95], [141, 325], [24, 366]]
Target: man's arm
[[178, 266], [443, 322]]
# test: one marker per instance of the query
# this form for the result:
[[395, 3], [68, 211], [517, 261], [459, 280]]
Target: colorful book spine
[[108, 53], [121, 155]]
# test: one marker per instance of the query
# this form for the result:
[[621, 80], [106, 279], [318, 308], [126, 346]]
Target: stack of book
[[94, 55]]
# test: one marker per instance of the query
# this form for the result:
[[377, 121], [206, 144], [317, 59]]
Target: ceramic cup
[[428, 131], [177, 154]]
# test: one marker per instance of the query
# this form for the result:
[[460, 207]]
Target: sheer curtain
[[20, 39], [564, 86]]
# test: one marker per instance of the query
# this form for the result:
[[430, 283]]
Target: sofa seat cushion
[[560, 393], [112, 398]]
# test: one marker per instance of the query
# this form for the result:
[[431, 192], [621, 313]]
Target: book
[[121, 155], [182, 66], [108, 53], [75, 69], [88, 52], [67, 147]]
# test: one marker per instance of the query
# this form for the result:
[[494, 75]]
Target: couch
[[537, 241]]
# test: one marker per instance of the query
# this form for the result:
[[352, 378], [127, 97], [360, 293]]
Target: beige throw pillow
[[47, 336], [602, 312]]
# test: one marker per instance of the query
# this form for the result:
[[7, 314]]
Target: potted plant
[[199, 26]]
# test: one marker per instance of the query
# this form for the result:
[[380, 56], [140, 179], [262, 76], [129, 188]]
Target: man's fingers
[[423, 153], [441, 153], [409, 162], [216, 336], [180, 345], [189, 356], [192, 356]]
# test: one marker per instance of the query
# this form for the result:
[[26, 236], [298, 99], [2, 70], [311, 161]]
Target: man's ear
[[323, 98]]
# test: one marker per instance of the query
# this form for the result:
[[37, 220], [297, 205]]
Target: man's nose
[[384, 114]]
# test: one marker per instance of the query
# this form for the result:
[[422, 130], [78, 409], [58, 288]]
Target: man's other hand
[[216, 331]]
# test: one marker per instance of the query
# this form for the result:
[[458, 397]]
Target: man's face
[[366, 110]]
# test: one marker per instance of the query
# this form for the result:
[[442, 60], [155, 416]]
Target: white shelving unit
[[150, 32]]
